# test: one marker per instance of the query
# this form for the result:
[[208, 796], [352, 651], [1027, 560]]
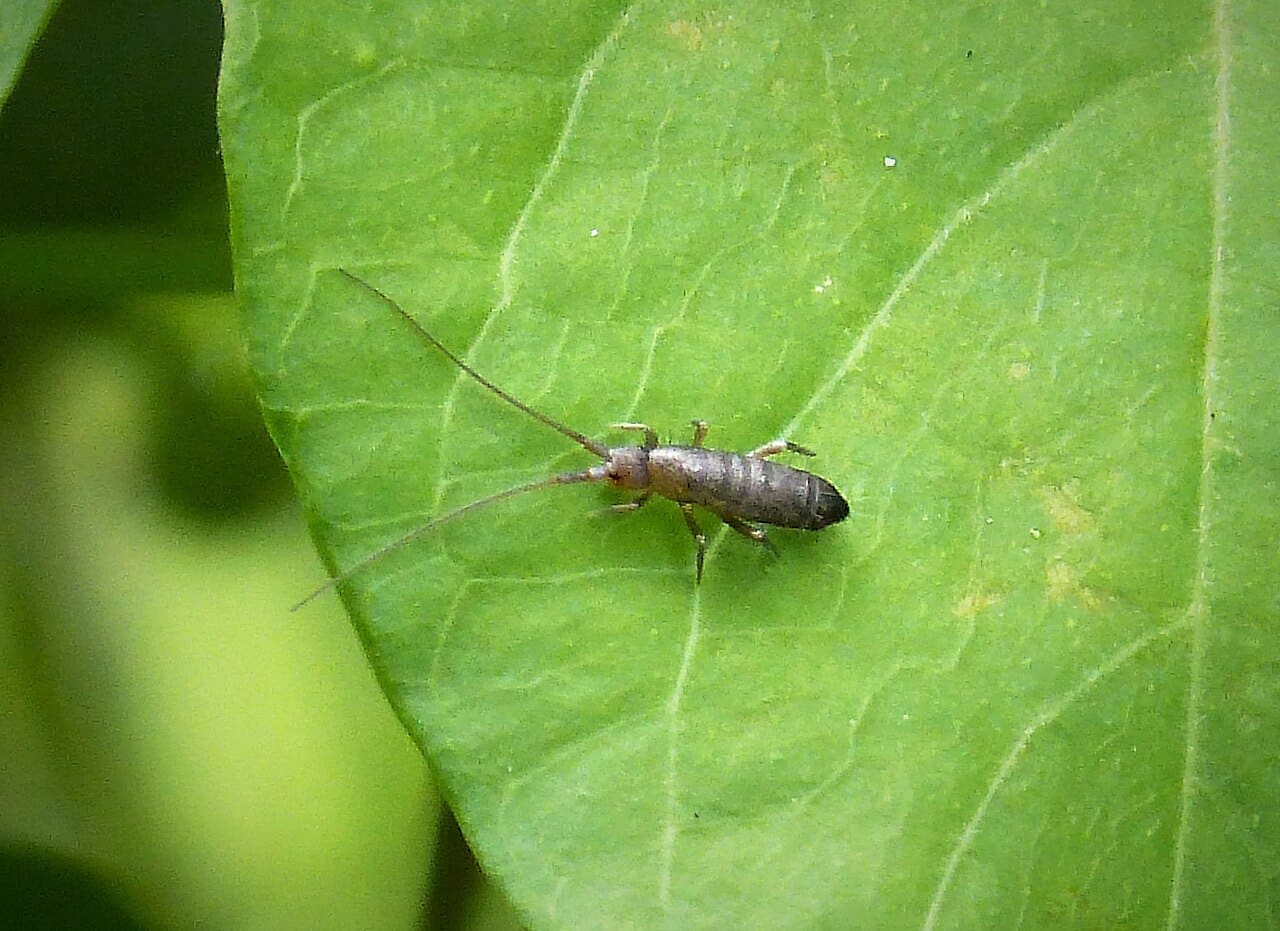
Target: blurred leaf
[[1009, 269], [20, 24], [162, 720]]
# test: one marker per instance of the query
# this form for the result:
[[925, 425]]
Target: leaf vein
[[1049, 713], [1197, 609]]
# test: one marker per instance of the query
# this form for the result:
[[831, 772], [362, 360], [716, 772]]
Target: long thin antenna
[[595, 474], [584, 441]]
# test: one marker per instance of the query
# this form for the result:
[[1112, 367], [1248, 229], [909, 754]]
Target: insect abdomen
[[751, 489]]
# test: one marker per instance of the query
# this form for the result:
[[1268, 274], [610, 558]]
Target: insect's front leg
[[755, 534], [700, 428], [698, 536], [650, 435], [779, 446]]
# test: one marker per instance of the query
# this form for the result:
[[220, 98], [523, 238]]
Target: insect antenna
[[563, 478], [584, 441]]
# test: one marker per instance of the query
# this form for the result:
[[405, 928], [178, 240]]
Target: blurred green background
[[176, 747]]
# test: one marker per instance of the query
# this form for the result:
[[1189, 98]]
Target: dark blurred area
[[44, 891], [112, 120]]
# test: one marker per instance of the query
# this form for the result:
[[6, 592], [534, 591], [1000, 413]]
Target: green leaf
[[21, 21], [1009, 269]]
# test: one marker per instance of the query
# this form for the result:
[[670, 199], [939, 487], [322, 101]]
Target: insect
[[739, 488]]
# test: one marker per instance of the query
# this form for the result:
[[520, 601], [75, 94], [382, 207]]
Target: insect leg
[[754, 534], [779, 446], [700, 428], [635, 505], [650, 435], [698, 536]]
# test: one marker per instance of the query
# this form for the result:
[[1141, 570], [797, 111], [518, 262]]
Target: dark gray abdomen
[[734, 485]]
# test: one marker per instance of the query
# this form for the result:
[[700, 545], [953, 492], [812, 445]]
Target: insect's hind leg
[[754, 534], [779, 446], [633, 505], [699, 537], [700, 428]]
